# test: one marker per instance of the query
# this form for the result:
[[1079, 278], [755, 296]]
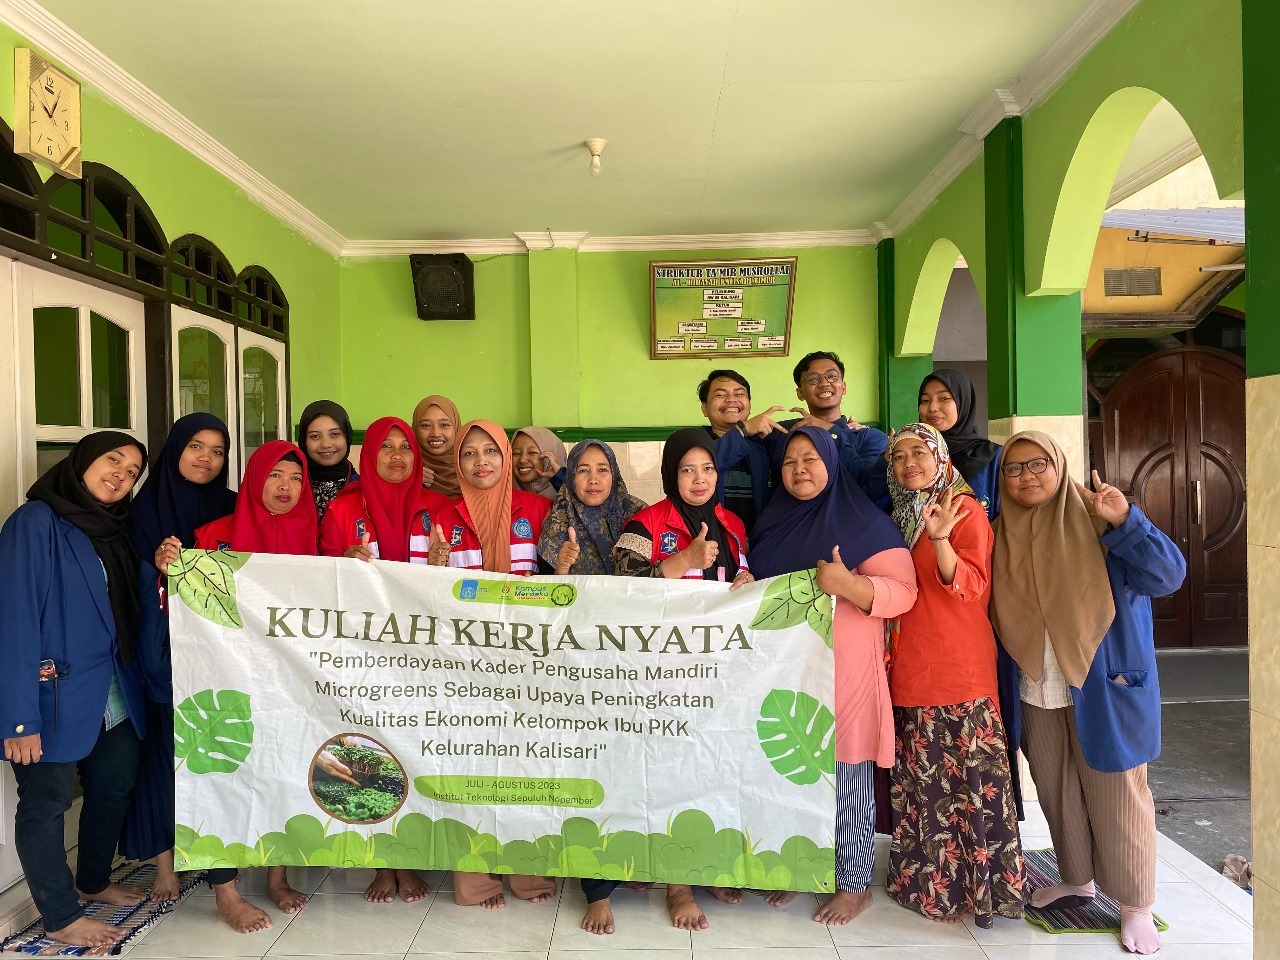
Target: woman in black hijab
[[325, 435], [71, 701]]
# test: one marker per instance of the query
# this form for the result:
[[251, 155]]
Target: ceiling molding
[[97, 70], [374, 249], [730, 241], [1042, 78], [552, 240], [1157, 169]]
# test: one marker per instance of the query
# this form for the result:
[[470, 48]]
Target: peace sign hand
[[1108, 502], [940, 518]]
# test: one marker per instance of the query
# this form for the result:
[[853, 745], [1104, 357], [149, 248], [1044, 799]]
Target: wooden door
[[1174, 443]]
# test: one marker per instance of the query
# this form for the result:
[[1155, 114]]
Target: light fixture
[[596, 146]]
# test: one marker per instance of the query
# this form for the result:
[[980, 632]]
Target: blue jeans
[[45, 792]]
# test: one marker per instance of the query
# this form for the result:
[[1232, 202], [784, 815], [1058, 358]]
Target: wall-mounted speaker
[[443, 287]]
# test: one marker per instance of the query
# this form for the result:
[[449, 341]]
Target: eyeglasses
[[1037, 466], [813, 379]]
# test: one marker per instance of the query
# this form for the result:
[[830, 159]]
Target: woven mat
[[1100, 916], [134, 919]]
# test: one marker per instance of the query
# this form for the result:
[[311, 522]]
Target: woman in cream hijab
[[1073, 574]]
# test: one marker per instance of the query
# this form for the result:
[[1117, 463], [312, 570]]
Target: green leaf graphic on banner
[[213, 732], [793, 600], [206, 582], [797, 734]]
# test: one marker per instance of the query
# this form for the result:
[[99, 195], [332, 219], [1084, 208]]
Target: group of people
[[933, 542]]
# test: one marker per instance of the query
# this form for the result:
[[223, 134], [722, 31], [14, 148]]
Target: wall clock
[[49, 100]]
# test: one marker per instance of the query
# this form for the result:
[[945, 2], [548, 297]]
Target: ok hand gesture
[[940, 518]]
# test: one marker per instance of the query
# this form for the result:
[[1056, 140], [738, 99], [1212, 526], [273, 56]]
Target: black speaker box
[[443, 287]]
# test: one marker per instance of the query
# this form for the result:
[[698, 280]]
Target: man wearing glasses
[[819, 378]]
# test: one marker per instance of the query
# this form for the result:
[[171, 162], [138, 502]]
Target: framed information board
[[727, 308]]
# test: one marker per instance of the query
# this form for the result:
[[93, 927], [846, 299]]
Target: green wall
[[188, 196]]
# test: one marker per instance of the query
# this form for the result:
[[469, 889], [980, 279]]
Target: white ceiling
[[434, 120]]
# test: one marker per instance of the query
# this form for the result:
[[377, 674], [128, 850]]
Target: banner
[[334, 712], [728, 308]]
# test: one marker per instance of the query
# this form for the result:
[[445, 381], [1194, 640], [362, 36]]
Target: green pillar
[[1033, 343], [899, 376], [553, 337], [1261, 34]]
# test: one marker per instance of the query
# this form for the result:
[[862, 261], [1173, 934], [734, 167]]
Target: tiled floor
[[1210, 920]]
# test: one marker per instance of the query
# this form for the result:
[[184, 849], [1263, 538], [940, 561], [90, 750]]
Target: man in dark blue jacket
[[745, 482]]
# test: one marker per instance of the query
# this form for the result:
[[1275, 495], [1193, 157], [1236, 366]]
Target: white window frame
[[184, 319], [246, 339]]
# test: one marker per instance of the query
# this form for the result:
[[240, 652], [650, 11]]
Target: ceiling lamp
[[596, 146]]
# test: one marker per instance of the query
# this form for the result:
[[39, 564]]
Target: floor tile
[[1194, 917], [640, 922], [886, 924], [484, 955], [753, 923], [938, 952], [521, 926], [1022, 932], [619, 955], [330, 923], [194, 930], [1111, 951], [764, 953]]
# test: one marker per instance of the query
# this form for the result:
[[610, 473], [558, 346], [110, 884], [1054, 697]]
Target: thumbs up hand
[[702, 553], [833, 575], [360, 550], [568, 555], [438, 551]]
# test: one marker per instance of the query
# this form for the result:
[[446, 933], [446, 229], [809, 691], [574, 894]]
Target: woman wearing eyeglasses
[[1073, 574]]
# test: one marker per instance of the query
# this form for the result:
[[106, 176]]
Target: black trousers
[[44, 797]]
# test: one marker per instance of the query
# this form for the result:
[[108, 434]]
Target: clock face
[[53, 124]]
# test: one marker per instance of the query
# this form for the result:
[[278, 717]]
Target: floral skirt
[[955, 831]]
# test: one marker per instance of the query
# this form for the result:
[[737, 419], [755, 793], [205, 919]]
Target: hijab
[[908, 505], [255, 529], [170, 505], [490, 509], [552, 448], [318, 472], [970, 450], [391, 506], [105, 524], [794, 535], [1049, 570], [442, 465], [673, 451], [597, 528]]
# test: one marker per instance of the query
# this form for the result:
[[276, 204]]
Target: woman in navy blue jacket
[[70, 696], [1073, 574]]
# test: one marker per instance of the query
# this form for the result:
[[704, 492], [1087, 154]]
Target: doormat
[[1101, 915], [134, 919]]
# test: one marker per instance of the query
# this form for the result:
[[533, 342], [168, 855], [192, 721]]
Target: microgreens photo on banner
[[339, 713], [727, 308]]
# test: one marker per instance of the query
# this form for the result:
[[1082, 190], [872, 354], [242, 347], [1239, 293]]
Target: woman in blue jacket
[[1073, 574], [70, 697]]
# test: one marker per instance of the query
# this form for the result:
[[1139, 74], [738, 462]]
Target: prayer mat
[[134, 919], [1102, 915]]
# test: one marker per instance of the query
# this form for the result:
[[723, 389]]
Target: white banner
[[329, 711]]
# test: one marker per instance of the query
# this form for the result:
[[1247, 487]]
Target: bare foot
[[497, 902], [286, 899], [779, 898], [954, 918], [726, 894], [411, 886], [237, 912], [642, 886], [115, 895], [683, 908], [599, 917], [843, 907], [1062, 896], [383, 887], [540, 897], [1138, 933], [87, 932], [165, 888]]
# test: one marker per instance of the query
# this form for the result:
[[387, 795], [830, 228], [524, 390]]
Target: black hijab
[[106, 525], [677, 445], [170, 505], [970, 450], [343, 468]]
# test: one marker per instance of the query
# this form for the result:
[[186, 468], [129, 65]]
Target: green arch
[[917, 335]]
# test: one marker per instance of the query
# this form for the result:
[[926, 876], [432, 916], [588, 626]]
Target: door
[[1174, 444], [263, 391]]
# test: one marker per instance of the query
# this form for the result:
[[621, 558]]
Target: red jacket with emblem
[[528, 511], [347, 521], [669, 535]]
